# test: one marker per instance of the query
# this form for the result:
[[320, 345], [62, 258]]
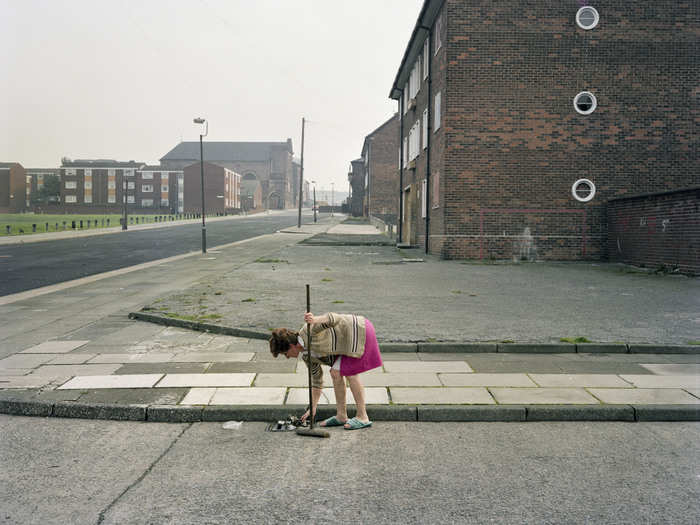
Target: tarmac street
[[114, 472]]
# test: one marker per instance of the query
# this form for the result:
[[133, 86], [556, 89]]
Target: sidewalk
[[75, 353]]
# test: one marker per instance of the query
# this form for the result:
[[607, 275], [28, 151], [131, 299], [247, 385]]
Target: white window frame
[[405, 99], [130, 185], [164, 188], [164, 175], [426, 58], [596, 17], [111, 199], [71, 172], [414, 80], [87, 185], [147, 175], [405, 151], [111, 184], [438, 107], [414, 141], [87, 198], [438, 33], [87, 173], [147, 203], [71, 199], [147, 188], [71, 185], [130, 199], [423, 199], [593, 99], [164, 202], [425, 128]]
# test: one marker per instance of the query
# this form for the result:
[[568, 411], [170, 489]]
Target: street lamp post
[[201, 170], [332, 197], [314, 183], [124, 188]]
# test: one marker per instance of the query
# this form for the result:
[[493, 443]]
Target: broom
[[311, 431]]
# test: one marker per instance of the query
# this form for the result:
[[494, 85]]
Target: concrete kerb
[[420, 413], [445, 346]]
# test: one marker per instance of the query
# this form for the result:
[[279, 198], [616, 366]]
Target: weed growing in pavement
[[574, 340], [694, 342], [507, 341], [326, 280], [249, 300], [266, 260], [456, 291], [338, 302]]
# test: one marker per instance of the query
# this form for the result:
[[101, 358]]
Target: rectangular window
[[111, 184], [87, 199], [164, 188], [147, 188], [88, 185], [405, 151], [88, 173], [130, 199], [426, 58], [423, 197], [147, 175], [70, 172], [164, 202], [438, 33], [71, 198], [164, 176], [111, 199], [130, 185], [128, 173], [425, 128], [438, 104], [435, 197], [146, 203], [414, 81], [110, 173], [71, 185], [414, 141], [405, 99]]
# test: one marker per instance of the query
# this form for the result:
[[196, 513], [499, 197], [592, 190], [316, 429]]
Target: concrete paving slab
[[132, 396], [154, 357], [74, 370], [110, 381], [205, 380], [448, 356], [353, 229], [387, 379], [198, 396], [287, 380], [475, 380], [539, 396], [24, 361], [693, 391], [602, 368], [644, 396], [54, 347], [673, 369], [265, 367], [162, 368], [15, 371], [71, 359], [403, 367], [373, 396], [674, 381], [248, 396], [580, 380], [441, 396], [400, 356], [30, 381], [211, 357], [512, 367]]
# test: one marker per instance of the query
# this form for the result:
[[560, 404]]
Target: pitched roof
[[226, 151], [8, 164], [101, 163]]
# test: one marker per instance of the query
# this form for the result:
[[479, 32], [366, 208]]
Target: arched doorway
[[274, 201]]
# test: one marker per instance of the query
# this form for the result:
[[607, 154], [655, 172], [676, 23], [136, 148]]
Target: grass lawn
[[24, 222]]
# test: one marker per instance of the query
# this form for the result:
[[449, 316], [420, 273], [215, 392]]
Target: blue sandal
[[356, 424], [331, 422]]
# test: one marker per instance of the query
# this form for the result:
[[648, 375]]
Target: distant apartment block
[[380, 158], [222, 189], [13, 184]]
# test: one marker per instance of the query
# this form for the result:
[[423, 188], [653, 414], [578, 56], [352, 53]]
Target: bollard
[[81, 224], [47, 226], [108, 222], [33, 228], [7, 229], [137, 220], [64, 225], [72, 224], [56, 227]]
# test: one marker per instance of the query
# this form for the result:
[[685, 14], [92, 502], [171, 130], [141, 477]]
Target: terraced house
[[522, 121]]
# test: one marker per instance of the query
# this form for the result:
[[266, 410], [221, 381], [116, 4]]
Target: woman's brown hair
[[281, 339]]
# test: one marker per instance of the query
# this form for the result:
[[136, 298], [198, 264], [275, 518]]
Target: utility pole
[[332, 197], [301, 171]]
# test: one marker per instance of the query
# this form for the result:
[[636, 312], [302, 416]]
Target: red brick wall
[[656, 231], [383, 153], [512, 143]]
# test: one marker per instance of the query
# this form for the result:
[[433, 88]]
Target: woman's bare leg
[[341, 407], [358, 392]]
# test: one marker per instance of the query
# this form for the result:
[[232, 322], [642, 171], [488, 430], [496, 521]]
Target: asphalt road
[[82, 471], [33, 265]]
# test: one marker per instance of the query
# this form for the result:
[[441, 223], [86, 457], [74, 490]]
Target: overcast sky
[[124, 79]]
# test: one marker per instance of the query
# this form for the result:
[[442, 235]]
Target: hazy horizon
[[95, 79]]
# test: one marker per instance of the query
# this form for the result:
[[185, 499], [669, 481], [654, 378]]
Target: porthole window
[[585, 102], [587, 17], [583, 190]]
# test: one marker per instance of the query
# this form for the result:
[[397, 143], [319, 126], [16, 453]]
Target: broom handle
[[308, 332]]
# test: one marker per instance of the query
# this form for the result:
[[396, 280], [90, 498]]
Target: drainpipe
[[400, 217], [430, 135]]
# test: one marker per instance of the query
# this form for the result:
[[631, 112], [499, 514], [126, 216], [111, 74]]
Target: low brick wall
[[660, 230]]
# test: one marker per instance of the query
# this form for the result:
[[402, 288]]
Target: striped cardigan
[[343, 334]]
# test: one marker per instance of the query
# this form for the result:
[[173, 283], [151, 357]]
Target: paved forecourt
[[166, 366]]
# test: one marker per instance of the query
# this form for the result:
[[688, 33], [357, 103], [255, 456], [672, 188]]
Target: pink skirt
[[371, 358]]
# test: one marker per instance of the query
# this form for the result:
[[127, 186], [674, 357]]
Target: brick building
[[270, 163], [13, 183], [519, 122], [251, 195], [99, 186], [222, 189], [357, 180], [35, 182], [381, 166]]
